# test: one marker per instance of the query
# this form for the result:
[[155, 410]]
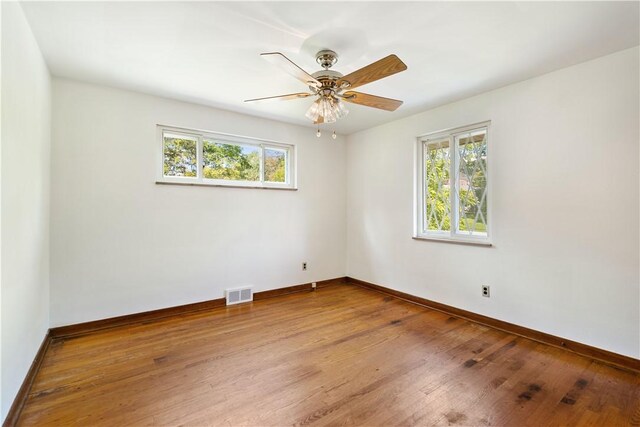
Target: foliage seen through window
[[180, 156], [231, 161]]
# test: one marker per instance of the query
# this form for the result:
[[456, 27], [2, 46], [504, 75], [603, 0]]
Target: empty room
[[320, 213]]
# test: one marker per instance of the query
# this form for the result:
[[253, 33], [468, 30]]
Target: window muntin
[[452, 185], [216, 159]]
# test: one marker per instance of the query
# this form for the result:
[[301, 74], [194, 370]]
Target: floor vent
[[238, 295]]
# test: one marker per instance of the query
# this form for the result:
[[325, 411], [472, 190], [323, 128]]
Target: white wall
[[564, 173], [1, 410], [26, 122], [121, 244]]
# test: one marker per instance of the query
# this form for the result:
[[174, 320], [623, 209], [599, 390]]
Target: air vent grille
[[238, 295]]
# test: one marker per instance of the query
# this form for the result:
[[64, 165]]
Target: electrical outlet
[[313, 286], [486, 291], [304, 266]]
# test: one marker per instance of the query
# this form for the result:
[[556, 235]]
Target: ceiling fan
[[331, 88]]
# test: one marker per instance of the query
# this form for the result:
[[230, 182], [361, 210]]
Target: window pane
[[472, 182], [179, 155], [236, 162], [437, 163], [275, 165]]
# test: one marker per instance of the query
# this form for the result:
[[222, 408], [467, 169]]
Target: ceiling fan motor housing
[[327, 79]]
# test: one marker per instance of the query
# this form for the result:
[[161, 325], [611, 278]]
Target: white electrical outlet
[[313, 286], [486, 291]]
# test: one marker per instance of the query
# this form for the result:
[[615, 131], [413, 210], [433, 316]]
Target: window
[[204, 158], [452, 189], [180, 155]]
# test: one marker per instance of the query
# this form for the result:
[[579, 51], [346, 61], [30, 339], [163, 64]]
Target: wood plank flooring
[[341, 355]]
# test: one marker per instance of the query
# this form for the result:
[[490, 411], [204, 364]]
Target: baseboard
[[148, 316], [605, 356], [297, 288], [129, 319], [23, 393]]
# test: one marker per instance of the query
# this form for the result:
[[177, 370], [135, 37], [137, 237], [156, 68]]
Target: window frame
[[452, 235], [218, 137]]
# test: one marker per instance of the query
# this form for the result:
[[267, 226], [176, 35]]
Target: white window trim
[[201, 135], [451, 236]]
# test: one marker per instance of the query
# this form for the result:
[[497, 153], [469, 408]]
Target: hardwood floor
[[339, 355]]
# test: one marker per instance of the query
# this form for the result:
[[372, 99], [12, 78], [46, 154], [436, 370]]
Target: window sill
[[456, 241], [202, 184]]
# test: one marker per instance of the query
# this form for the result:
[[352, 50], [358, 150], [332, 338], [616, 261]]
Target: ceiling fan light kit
[[331, 88], [326, 109]]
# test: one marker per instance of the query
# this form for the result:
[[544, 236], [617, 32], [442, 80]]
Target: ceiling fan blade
[[282, 97], [372, 72], [290, 67], [371, 100]]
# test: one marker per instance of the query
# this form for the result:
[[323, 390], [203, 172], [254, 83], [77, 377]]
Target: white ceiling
[[208, 52]]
